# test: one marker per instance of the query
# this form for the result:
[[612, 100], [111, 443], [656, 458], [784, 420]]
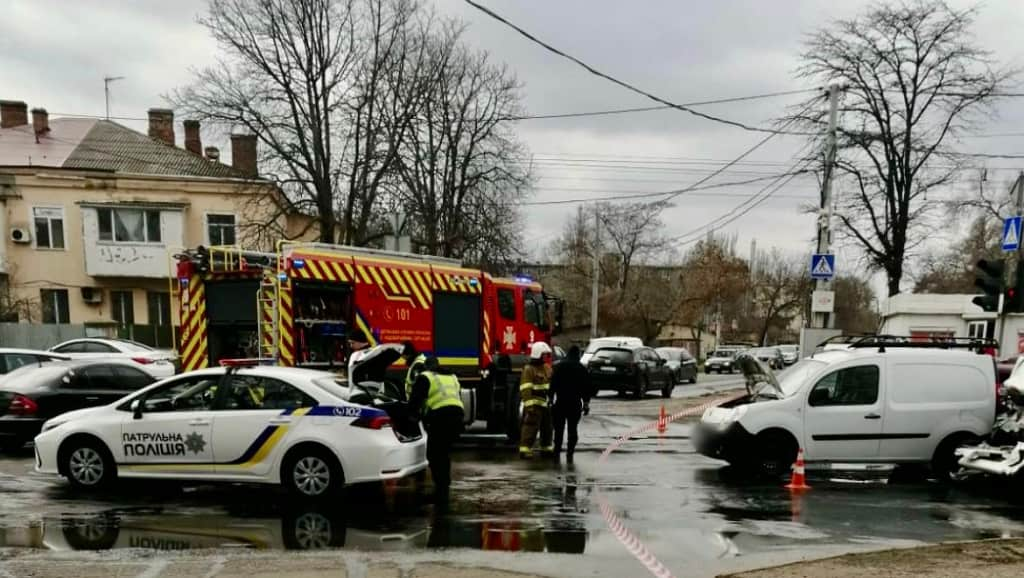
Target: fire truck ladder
[[267, 314]]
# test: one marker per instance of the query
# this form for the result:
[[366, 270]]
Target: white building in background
[[925, 315]]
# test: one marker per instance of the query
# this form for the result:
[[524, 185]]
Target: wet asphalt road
[[696, 516]]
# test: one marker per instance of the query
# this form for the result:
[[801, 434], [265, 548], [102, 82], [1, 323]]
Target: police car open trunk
[[369, 385]]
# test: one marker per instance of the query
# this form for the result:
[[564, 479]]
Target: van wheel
[[945, 463], [774, 455]]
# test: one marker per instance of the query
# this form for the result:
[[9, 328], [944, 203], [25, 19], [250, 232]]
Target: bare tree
[[460, 162], [855, 305], [316, 82], [913, 79], [15, 308], [633, 234], [713, 283], [776, 292]]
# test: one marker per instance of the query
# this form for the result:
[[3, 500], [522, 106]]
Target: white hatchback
[[157, 363], [887, 404], [274, 425]]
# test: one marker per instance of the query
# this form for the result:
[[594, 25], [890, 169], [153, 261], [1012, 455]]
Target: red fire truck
[[297, 306]]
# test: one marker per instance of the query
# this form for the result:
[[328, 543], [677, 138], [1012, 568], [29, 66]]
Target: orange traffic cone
[[798, 481], [662, 420]]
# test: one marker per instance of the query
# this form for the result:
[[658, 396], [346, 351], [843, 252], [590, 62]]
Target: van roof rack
[[979, 344]]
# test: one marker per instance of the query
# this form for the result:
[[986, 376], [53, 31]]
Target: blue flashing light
[[473, 281], [282, 276], [524, 279], [184, 282], [298, 263]]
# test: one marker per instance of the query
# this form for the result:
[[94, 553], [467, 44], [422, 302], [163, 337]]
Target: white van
[[886, 404], [599, 342]]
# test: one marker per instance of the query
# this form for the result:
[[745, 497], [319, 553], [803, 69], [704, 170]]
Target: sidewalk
[[985, 559], [243, 564]]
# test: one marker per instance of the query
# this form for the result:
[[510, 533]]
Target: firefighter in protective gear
[[415, 361], [534, 390], [436, 397]]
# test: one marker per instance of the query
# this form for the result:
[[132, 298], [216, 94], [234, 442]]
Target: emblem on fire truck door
[[510, 338]]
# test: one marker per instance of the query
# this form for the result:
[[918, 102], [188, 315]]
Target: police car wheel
[[312, 474], [88, 465]]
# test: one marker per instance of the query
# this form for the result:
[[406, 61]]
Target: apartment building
[[91, 213]]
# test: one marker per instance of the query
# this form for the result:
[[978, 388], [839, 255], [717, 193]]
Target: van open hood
[[755, 371], [374, 365]]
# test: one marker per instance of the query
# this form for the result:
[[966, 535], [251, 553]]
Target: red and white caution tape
[[619, 530]]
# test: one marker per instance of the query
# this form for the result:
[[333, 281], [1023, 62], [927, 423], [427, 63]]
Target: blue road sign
[[1011, 233], [823, 266]]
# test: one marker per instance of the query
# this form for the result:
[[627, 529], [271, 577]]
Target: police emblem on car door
[[171, 428]]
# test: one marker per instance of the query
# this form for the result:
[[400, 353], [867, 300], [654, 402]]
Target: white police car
[[299, 428]]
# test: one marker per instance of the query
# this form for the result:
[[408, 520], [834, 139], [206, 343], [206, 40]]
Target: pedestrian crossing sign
[[823, 266], [1011, 233]]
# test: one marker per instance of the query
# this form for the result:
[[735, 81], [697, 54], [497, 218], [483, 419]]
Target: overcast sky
[[55, 53]]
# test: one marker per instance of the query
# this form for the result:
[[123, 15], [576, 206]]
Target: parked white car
[[11, 359], [159, 364], [886, 404], [603, 342], [273, 425]]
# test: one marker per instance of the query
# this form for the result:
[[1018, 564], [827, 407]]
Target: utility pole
[[827, 320], [106, 90], [596, 273]]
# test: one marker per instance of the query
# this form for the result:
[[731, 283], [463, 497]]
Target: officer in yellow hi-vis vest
[[436, 396], [415, 361], [534, 390]]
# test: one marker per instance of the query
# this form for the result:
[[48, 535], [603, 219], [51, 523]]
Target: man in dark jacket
[[570, 387]]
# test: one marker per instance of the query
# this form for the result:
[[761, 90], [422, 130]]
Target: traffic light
[[990, 279], [1014, 302]]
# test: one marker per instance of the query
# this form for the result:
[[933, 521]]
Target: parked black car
[[31, 395], [634, 369], [682, 364]]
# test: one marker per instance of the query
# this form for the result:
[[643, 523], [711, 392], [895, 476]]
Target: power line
[[642, 195], [767, 190], [661, 107], [624, 84]]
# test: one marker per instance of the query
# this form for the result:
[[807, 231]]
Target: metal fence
[[39, 336]]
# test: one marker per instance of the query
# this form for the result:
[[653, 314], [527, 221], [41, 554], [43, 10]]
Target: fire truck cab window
[[534, 308], [507, 304]]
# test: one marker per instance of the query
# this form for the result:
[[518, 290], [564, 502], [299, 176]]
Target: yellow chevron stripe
[[363, 274], [326, 271], [415, 289], [391, 282], [424, 279], [351, 272], [377, 279], [339, 271], [366, 329], [396, 274]]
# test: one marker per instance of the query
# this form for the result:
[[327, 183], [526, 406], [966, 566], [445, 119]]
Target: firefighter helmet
[[539, 349]]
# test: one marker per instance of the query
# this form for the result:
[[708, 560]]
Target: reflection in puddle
[[391, 518]]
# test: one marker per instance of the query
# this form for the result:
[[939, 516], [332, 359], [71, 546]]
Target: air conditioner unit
[[20, 235], [92, 295]]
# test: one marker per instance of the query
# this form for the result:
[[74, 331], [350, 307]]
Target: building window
[[129, 225], [220, 229], [55, 305], [122, 305], [159, 308], [49, 224], [977, 329]]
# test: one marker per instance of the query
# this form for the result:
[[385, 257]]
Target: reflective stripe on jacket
[[414, 370], [444, 391], [535, 386]]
